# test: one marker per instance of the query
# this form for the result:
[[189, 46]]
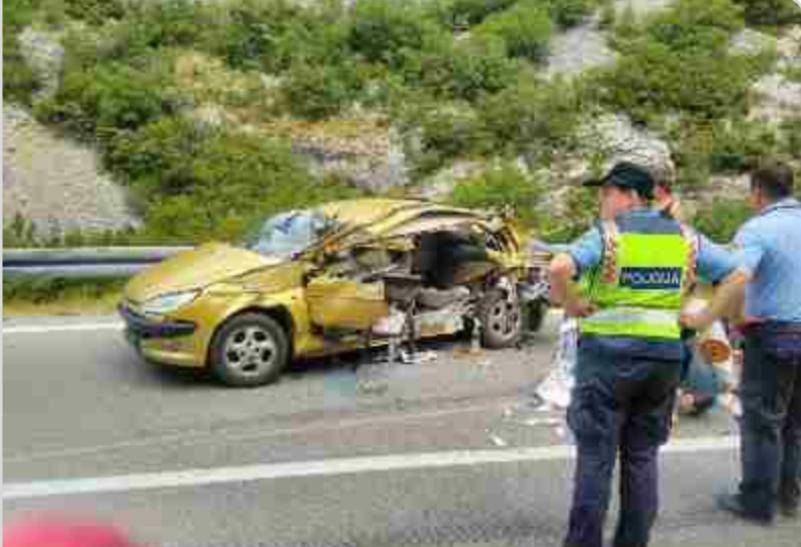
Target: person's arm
[[725, 302], [735, 270], [567, 266], [561, 272]]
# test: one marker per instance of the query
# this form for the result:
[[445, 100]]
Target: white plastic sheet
[[556, 388]]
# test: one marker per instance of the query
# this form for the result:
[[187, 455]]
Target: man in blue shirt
[[625, 384], [770, 253]]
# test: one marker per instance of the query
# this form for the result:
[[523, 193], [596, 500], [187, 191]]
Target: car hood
[[196, 268]]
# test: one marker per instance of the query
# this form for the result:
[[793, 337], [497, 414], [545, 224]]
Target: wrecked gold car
[[343, 276]]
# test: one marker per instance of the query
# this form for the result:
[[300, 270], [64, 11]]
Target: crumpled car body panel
[[331, 294]]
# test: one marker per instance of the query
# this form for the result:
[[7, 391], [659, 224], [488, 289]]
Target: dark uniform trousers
[[621, 404], [771, 423]]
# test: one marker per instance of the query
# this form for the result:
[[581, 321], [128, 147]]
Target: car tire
[[249, 350], [501, 320]]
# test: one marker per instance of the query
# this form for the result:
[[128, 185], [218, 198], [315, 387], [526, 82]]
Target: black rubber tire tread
[[231, 379], [489, 338]]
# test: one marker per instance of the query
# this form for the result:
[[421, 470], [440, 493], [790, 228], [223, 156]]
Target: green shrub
[[771, 12], [110, 96], [525, 28], [480, 66], [741, 145], [464, 70], [20, 232], [383, 30], [720, 220], [252, 35], [96, 12], [169, 22], [658, 80], [464, 13], [608, 15], [437, 131], [721, 146], [158, 158], [582, 205], [791, 139], [312, 41], [793, 73], [679, 61], [499, 187], [19, 81], [319, 91], [569, 13], [194, 183], [533, 117]]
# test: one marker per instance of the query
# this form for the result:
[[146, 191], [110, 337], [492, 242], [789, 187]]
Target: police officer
[[634, 267], [770, 387]]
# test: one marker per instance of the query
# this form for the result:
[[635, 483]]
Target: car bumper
[[168, 341]]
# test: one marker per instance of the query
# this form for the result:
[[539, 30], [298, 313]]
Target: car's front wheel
[[250, 349], [501, 319]]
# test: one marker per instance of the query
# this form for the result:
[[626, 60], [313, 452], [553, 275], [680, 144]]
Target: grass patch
[[59, 296]]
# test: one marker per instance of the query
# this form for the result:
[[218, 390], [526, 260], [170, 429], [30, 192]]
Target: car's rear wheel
[[501, 319], [250, 349]]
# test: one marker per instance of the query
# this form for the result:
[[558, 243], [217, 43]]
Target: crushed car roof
[[377, 215]]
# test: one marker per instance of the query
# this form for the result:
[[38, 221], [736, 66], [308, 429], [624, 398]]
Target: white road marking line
[[42, 329], [342, 466], [187, 438]]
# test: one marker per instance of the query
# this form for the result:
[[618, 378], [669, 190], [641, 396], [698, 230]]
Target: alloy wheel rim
[[250, 350]]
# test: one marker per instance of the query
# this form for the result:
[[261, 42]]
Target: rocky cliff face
[[56, 183]]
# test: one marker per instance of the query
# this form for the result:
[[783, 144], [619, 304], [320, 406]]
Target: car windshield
[[288, 232]]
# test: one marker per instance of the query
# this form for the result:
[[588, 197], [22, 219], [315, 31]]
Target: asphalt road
[[445, 452]]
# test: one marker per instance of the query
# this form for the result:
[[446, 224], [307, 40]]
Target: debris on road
[[497, 441]]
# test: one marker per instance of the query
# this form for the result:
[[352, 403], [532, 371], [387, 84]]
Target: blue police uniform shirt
[[713, 264], [770, 249]]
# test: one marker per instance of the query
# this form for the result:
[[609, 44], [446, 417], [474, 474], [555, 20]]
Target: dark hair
[[775, 179]]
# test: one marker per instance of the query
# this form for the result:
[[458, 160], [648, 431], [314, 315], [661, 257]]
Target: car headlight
[[168, 302]]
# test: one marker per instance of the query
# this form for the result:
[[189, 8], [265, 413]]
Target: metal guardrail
[[83, 262]]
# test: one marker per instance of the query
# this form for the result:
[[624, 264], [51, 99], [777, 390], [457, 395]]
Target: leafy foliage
[[770, 12], [533, 117], [444, 131], [320, 91], [95, 11], [525, 28], [465, 13], [680, 62], [466, 69], [199, 183], [19, 81], [722, 218], [384, 31], [499, 187], [108, 97], [568, 13]]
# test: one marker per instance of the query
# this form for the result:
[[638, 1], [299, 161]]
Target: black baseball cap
[[627, 175]]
